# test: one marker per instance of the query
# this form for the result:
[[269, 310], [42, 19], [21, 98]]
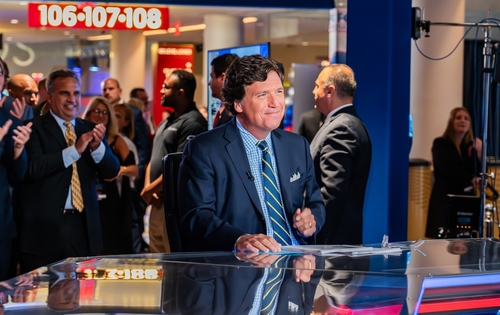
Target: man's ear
[[330, 90], [222, 77], [238, 107]]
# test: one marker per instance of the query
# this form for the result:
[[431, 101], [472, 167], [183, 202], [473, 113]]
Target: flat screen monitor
[[213, 103]]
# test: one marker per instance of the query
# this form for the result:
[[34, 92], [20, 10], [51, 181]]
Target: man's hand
[[21, 136], [304, 268], [257, 242], [147, 194], [82, 142], [18, 107], [304, 222], [256, 259], [97, 135]]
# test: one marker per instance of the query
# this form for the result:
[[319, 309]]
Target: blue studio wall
[[379, 51]]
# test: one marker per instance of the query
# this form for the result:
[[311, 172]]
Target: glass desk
[[439, 277]]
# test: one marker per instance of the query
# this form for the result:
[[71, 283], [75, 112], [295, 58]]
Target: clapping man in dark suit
[[342, 152], [60, 214], [243, 184]]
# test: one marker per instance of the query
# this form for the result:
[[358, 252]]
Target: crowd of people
[[81, 178]]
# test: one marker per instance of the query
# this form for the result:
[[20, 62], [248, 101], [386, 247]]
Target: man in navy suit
[[54, 222], [223, 203]]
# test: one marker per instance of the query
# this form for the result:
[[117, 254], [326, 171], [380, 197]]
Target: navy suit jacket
[[45, 188], [11, 173], [8, 105], [218, 201]]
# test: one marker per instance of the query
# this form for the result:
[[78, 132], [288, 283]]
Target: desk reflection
[[204, 289]]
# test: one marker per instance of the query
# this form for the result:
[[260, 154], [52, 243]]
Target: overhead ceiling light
[[250, 19], [14, 21], [154, 32], [189, 28], [66, 33], [186, 28], [23, 2], [305, 43], [100, 37], [8, 38], [93, 65]]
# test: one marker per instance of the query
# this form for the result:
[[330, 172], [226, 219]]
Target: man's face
[[111, 91], [169, 91], [143, 96], [64, 101], [263, 106], [216, 83], [25, 88], [321, 93]]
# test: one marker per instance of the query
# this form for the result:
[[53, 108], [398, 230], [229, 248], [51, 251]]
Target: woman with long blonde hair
[[455, 157]]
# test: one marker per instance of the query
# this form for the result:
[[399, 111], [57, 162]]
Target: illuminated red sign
[[170, 58], [90, 16]]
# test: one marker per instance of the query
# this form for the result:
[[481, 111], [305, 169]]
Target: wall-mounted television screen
[[214, 103]]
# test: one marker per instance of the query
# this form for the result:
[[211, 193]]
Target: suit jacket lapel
[[284, 171], [51, 125], [236, 151]]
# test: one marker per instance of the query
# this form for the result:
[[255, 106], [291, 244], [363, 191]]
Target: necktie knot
[[70, 133], [263, 145]]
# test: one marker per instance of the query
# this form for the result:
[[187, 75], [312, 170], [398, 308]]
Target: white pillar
[[222, 31], [436, 86], [128, 60]]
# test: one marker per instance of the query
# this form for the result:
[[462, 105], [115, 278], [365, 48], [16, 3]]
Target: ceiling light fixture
[[186, 28], [250, 19], [189, 28], [66, 33], [100, 37], [23, 2], [14, 21], [154, 32]]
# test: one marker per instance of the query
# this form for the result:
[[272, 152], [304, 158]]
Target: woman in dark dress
[[116, 208], [456, 157]]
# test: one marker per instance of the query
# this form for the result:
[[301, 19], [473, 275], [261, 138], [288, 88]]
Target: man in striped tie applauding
[[247, 185], [59, 213]]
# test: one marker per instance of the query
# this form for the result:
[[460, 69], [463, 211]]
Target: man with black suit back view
[[341, 152], [59, 217]]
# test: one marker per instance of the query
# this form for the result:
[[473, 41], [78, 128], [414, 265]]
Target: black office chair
[[171, 163]]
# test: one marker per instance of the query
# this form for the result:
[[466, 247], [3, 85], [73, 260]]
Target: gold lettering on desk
[[120, 274]]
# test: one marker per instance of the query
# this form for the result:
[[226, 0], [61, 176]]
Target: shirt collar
[[336, 110], [59, 120]]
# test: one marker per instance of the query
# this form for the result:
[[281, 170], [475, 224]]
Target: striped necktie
[[76, 190], [273, 198], [272, 286]]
